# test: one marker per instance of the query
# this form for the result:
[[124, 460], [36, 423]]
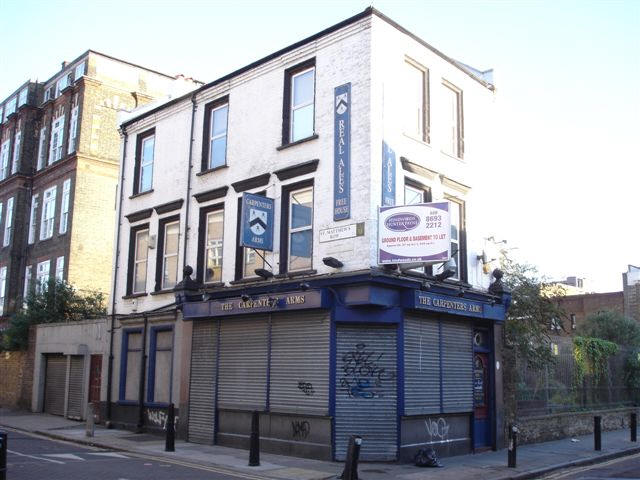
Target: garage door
[[55, 382]]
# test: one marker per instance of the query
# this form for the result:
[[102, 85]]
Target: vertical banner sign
[[388, 175], [256, 229], [342, 152]]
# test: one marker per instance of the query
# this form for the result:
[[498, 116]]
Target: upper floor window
[[138, 258], [42, 276], [16, 152], [416, 193], [453, 140], [4, 159], [64, 208], [143, 176], [247, 259], [296, 246], [1, 113], [22, 99], [215, 144], [210, 244], [57, 136], [33, 219], [10, 107], [416, 91], [3, 288], [62, 84], [27, 282], [73, 128], [41, 148], [79, 71], [299, 102], [167, 264], [8, 223], [60, 269], [458, 240], [48, 213]]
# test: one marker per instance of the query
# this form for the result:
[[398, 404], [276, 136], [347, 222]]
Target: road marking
[[68, 456], [574, 471], [34, 457], [109, 454]]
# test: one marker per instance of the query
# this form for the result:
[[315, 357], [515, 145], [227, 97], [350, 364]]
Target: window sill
[[139, 194], [211, 285], [455, 157], [297, 142], [246, 280], [211, 170], [417, 139], [297, 273], [162, 292], [134, 295]]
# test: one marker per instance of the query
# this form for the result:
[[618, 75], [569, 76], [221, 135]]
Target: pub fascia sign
[[417, 233]]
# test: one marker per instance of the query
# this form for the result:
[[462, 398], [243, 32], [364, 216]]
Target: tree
[[530, 314], [57, 302], [612, 326]]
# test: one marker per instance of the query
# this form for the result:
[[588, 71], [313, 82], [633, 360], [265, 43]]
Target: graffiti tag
[[306, 388], [362, 377], [300, 429], [437, 429], [159, 418]]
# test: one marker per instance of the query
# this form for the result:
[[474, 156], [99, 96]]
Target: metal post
[[170, 440], [3, 455], [254, 442], [513, 446], [350, 471], [90, 421], [597, 433], [634, 427]]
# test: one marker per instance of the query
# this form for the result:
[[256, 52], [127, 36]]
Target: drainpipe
[[143, 368], [115, 279], [189, 169]]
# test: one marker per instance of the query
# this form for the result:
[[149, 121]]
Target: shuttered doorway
[[421, 365], [366, 391], [457, 366], [55, 383], [76, 387], [202, 388]]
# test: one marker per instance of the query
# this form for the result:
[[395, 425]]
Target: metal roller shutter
[[366, 391], [76, 387], [421, 365], [202, 387], [457, 366], [242, 378], [300, 363], [55, 384]]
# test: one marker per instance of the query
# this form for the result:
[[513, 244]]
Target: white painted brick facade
[[368, 53]]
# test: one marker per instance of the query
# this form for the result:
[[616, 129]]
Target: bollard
[[90, 428], [597, 433], [513, 446], [254, 442], [3, 455], [170, 440], [350, 471], [634, 427]]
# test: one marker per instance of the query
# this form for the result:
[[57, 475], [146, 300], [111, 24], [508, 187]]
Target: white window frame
[[146, 162], [42, 275], [452, 122], [33, 219], [217, 248], [28, 272], [292, 230], [3, 288], [17, 139], [61, 84], [48, 213], [166, 255], [1, 113], [60, 268], [79, 71], [213, 137], [10, 107], [4, 158], [140, 263], [419, 129], [294, 107], [56, 140], [22, 99], [64, 207], [73, 130], [8, 223], [42, 148]]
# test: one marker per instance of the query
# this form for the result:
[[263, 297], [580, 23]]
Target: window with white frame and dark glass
[[8, 223], [57, 137], [296, 247], [3, 288], [73, 128], [416, 193], [453, 141], [4, 159], [22, 99], [299, 102], [42, 149], [214, 147], [16, 152], [458, 240], [247, 259], [64, 208], [27, 281], [60, 269], [33, 219], [210, 244], [138, 259], [42, 276], [416, 104], [48, 213], [167, 260], [143, 176]]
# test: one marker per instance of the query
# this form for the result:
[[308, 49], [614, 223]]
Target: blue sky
[[565, 182]]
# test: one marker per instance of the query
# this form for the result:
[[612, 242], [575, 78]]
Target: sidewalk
[[533, 460]]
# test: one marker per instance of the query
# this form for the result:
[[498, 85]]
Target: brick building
[[312, 330], [579, 307], [631, 290], [59, 152]]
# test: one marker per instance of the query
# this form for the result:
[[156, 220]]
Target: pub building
[[321, 263]]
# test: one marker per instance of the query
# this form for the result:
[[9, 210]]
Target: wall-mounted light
[[426, 286], [245, 297], [304, 286], [263, 273], [332, 262]]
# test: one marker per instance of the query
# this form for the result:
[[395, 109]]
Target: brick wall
[[16, 375]]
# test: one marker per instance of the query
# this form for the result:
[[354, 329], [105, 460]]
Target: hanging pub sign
[[419, 233], [342, 152], [256, 228], [388, 175]]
